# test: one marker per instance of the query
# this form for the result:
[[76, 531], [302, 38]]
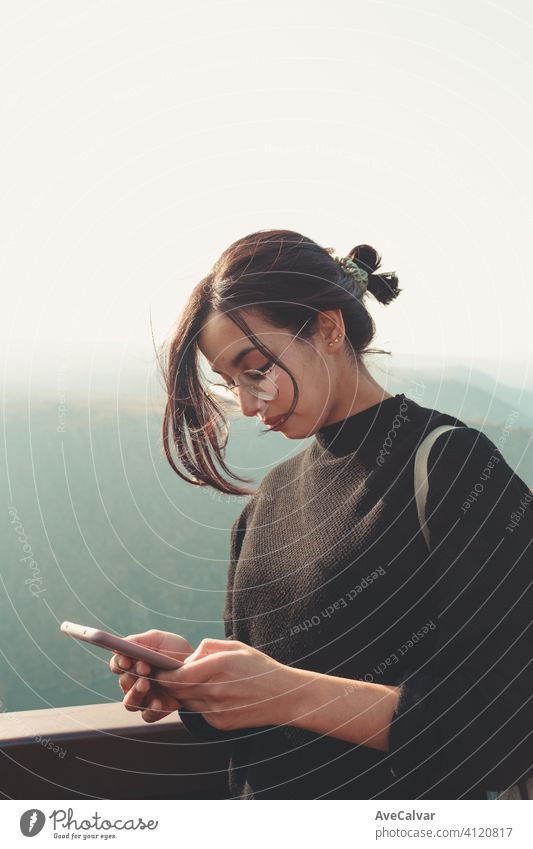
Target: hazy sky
[[140, 139]]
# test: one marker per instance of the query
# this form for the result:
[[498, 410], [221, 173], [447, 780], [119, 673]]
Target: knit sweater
[[330, 572]]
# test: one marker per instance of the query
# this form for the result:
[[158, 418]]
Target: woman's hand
[[235, 686], [232, 685], [158, 702]]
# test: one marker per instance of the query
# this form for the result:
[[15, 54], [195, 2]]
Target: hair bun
[[383, 286], [366, 257]]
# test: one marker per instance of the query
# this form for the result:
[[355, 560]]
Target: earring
[[336, 340]]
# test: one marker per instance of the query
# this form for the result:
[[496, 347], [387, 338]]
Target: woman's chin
[[279, 427], [289, 430]]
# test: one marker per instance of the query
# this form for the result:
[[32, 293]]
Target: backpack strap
[[421, 475]]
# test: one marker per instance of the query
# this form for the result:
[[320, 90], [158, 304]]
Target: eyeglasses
[[258, 382]]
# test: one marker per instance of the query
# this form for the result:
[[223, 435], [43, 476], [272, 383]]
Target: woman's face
[[228, 351]]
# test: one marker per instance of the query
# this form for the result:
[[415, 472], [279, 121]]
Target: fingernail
[[123, 663], [140, 685]]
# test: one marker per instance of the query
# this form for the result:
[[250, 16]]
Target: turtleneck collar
[[347, 435]]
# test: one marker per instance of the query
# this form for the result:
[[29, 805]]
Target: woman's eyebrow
[[238, 357]]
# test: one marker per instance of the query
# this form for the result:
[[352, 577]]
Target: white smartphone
[[119, 645]]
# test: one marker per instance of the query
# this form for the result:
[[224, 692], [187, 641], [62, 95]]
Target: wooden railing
[[104, 751]]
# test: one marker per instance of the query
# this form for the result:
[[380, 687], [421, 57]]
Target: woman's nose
[[250, 405]]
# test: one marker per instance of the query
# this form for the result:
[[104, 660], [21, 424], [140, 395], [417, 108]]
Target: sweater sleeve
[[194, 721], [463, 722]]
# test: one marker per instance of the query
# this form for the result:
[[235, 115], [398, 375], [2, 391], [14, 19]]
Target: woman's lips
[[273, 422]]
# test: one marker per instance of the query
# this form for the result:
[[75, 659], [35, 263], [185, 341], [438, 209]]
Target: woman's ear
[[330, 325]]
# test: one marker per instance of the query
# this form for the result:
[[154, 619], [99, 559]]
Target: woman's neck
[[357, 391]]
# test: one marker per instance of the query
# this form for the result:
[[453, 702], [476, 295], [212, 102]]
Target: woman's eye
[[262, 370]]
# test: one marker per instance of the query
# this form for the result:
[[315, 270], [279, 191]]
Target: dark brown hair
[[286, 278]]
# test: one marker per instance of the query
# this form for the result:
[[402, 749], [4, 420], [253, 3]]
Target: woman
[[356, 665]]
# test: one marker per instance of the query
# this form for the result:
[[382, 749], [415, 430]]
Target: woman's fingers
[[159, 706], [142, 668], [126, 681], [115, 664], [144, 695], [119, 663], [154, 711], [136, 694], [209, 646]]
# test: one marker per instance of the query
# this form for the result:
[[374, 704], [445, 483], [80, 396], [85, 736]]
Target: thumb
[[209, 646], [168, 678]]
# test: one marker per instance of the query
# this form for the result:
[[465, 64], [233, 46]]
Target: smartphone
[[119, 645]]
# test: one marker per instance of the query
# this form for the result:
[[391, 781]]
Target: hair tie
[[359, 274]]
